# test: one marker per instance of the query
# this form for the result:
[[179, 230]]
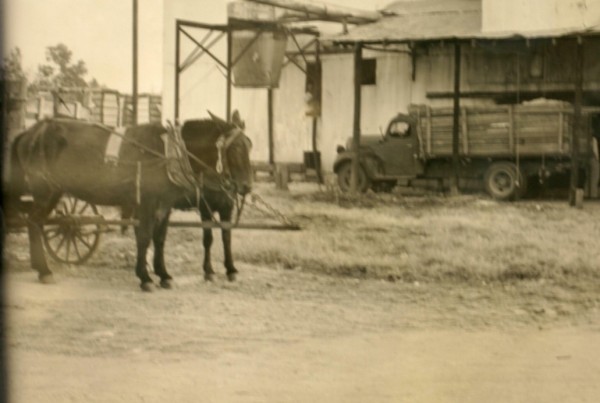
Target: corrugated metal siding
[[337, 104], [293, 129], [391, 94], [463, 19]]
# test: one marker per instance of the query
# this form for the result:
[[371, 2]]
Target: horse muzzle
[[243, 188]]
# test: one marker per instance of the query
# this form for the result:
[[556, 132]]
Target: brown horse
[[215, 198], [59, 156]]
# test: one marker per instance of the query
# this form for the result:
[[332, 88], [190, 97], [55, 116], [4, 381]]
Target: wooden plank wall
[[508, 130]]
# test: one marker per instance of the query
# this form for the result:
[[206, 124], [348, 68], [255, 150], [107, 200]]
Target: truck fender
[[369, 162]]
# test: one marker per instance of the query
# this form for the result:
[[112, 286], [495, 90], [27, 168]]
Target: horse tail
[[21, 151], [16, 183]]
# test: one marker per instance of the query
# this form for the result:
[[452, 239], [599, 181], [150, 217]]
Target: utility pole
[[357, 107], [576, 194], [134, 91], [454, 180]]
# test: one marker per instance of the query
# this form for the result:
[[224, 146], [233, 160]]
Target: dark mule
[[59, 156], [232, 163]]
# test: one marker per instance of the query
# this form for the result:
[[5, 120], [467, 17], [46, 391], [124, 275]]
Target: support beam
[[577, 126], [205, 49], [177, 72], [229, 76], [456, 126], [318, 90], [270, 126], [195, 55], [357, 107], [134, 90]]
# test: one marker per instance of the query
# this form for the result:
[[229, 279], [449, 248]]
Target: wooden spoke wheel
[[68, 237]]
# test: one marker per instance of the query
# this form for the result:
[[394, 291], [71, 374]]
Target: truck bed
[[501, 131]]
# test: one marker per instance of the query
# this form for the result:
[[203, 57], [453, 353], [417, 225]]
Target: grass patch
[[428, 238]]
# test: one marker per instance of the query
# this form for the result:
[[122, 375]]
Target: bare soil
[[291, 333]]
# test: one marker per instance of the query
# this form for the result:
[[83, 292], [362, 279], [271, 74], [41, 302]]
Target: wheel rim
[[502, 183], [69, 241]]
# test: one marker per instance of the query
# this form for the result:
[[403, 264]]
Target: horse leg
[[159, 238], [143, 236], [225, 215], [127, 212], [207, 239], [43, 205]]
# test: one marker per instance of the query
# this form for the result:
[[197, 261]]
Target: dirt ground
[[288, 335]]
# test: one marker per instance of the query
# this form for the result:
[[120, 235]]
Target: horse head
[[233, 154], [231, 161]]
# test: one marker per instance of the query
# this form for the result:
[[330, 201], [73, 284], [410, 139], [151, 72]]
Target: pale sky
[[99, 32]]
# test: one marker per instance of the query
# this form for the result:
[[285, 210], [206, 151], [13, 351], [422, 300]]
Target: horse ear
[[215, 118], [237, 120]]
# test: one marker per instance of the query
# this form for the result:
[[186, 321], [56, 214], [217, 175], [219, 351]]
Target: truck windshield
[[400, 129]]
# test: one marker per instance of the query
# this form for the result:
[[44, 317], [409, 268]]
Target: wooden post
[[577, 126], [455, 125], [229, 68], [357, 105], [134, 92], [270, 126], [282, 176], [315, 146], [177, 71]]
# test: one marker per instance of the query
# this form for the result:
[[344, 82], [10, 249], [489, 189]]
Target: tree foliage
[[12, 67], [60, 71]]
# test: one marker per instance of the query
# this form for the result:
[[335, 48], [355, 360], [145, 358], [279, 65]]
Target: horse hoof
[[47, 278], [166, 283], [148, 286], [231, 276], [209, 277]]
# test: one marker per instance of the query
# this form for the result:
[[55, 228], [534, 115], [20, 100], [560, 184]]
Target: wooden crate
[[149, 109]]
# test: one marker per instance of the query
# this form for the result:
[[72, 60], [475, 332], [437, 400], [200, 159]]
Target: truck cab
[[383, 159]]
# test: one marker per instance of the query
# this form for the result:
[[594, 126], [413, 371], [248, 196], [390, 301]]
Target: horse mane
[[204, 130], [148, 134]]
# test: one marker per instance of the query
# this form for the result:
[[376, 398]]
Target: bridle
[[224, 141], [222, 168]]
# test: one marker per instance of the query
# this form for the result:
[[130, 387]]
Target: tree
[[12, 68], [60, 71]]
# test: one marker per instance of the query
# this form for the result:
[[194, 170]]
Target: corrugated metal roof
[[418, 20], [422, 6]]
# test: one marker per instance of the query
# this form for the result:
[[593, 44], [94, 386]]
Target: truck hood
[[365, 141]]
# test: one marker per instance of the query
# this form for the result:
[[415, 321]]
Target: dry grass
[[427, 238]]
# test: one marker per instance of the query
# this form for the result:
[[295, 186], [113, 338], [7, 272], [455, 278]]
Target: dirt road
[[400, 300], [289, 336]]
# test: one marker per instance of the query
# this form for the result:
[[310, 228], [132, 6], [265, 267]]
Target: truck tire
[[344, 175], [503, 182]]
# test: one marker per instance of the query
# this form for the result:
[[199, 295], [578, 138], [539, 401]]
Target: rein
[[224, 141], [215, 171]]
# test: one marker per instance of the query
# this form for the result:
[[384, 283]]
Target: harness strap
[[223, 142]]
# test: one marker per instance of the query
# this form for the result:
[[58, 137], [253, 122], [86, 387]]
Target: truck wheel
[[344, 174], [503, 181]]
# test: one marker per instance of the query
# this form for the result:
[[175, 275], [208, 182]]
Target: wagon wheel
[[70, 239]]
